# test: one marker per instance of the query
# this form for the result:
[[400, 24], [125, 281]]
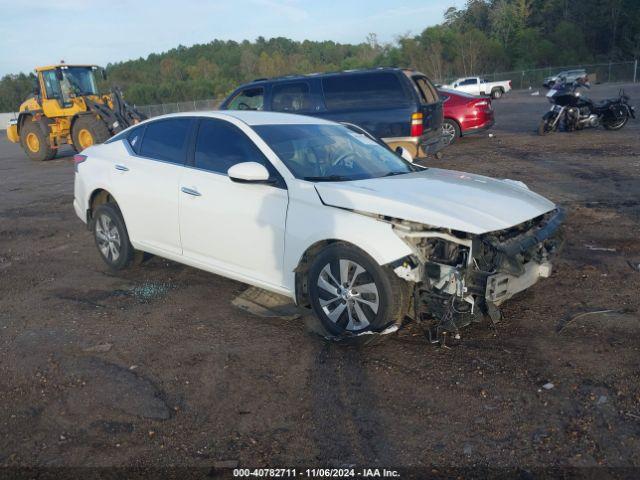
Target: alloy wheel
[[348, 295], [108, 238], [449, 132]]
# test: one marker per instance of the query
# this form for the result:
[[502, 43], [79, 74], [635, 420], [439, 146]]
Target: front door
[[234, 228]]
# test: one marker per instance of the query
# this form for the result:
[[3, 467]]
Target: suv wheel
[[351, 293], [111, 237]]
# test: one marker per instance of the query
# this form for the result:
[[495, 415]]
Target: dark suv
[[399, 106]]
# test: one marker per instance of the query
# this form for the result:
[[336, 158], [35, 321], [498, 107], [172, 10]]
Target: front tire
[[545, 127], [350, 293], [88, 130], [111, 237], [35, 143], [616, 124]]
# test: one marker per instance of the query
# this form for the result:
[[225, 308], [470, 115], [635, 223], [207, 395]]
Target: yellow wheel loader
[[66, 108]]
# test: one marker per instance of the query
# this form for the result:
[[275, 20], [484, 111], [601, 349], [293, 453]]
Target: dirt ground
[[155, 367]]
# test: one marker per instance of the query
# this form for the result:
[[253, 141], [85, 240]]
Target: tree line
[[484, 36]]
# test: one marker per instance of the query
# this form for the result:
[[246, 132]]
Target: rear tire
[[112, 239], [35, 143], [88, 130], [496, 93], [450, 130], [350, 293]]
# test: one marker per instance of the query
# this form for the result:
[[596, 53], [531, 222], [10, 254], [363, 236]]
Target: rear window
[[343, 92], [134, 137], [291, 97], [166, 140], [428, 92]]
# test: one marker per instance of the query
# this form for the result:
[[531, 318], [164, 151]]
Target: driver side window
[[248, 99], [221, 145]]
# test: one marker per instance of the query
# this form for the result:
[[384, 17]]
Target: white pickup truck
[[479, 86]]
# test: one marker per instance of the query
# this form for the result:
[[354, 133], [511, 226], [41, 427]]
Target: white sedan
[[316, 211]]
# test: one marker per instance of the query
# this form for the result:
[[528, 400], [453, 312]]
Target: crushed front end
[[461, 278]]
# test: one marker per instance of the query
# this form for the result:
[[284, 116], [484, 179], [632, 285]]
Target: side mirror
[[249, 172], [404, 153], [59, 75]]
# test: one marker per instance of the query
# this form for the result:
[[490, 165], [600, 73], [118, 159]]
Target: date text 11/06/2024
[[315, 473]]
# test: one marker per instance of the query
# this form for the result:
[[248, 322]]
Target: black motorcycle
[[572, 111]]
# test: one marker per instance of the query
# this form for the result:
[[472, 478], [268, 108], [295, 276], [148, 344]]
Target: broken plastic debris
[[548, 386], [100, 348], [266, 304], [366, 337]]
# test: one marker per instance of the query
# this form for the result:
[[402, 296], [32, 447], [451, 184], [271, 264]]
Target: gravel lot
[[155, 367]]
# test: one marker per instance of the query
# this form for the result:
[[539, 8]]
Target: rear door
[[378, 102], [431, 105], [294, 97], [236, 229], [146, 183]]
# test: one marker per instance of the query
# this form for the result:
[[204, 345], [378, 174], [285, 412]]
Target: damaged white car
[[318, 212]]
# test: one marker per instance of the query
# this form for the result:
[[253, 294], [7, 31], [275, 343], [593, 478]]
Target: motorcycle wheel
[[616, 124], [545, 127]]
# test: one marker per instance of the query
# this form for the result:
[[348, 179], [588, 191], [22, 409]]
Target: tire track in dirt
[[347, 425]]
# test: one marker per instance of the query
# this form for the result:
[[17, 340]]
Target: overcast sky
[[37, 32]]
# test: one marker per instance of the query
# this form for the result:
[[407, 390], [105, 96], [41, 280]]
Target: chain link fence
[[520, 79], [598, 73], [175, 107]]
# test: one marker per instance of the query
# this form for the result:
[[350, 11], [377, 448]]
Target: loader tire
[[35, 143], [89, 130]]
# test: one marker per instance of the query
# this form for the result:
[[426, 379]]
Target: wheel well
[[42, 122], [97, 198], [22, 118], [454, 121], [302, 298], [76, 117]]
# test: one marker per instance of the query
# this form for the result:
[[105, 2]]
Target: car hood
[[440, 198]]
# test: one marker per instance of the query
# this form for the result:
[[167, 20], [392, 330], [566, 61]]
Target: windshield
[[331, 153], [78, 81]]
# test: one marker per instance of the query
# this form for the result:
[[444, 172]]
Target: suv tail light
[[417, 128], [77, 160]]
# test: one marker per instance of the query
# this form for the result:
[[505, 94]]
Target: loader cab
[[61, 87]]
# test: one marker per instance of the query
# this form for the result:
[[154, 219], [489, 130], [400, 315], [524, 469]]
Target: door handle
[[190, 191], [122, 168]]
